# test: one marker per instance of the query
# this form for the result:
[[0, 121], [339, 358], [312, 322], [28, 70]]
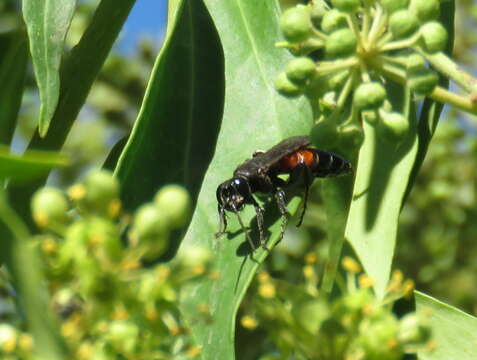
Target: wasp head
[[233, 194]]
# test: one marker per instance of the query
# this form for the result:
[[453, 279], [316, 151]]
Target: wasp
[[261, 174]]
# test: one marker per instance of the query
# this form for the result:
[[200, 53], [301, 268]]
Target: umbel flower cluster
[[108, 294], [348, 56], [307, 324]]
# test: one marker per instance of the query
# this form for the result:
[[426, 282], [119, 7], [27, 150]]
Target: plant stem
[[23, 264], [439, 94], [395, 45], [450, 69]]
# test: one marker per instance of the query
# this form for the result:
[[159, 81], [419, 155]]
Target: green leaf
[[47, 24], [255, 117], [13, 66], [453, 331], [378, 192], [30, 165], [174, 136], [431, 110]]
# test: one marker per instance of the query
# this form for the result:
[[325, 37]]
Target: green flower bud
[[403, 23], [347, 6], [123, 335], [393, 5], [285, 87], [318, 10], [325, 134], [425, 9], [299, 70], [98, 192], [49, 208], [310, 314], [104, 240], [351, 137], [376, 335], [422, 80], [434, 35], [393, 126], [412, 330], [369, 96], [415, 61], [333, 20], [150, 227], [8, 338], [296, 24], [340, 43], [174, 202]]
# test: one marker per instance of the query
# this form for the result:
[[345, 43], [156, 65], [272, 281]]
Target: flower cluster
[[305, 323], [349, 56], [107, 290]]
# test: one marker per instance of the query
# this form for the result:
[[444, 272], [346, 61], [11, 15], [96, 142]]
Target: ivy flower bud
[[49, 207], [285, 87], [415, 61], [99, 192], [317, 12], [325, 134], [333, 20], [351, 137], [393, 126], [123, 335], [340, 43], [393, 5], [296, 24], [434, 35], [174, 202], [150, 227], [422, 80], [425, 9], [412, 330], [299, 70], [403, 23], [369, 96], [347, 6]]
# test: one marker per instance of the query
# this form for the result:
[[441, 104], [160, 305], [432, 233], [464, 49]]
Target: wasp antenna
[[247, 235]]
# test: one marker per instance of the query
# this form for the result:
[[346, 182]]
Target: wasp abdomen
[[291, 161], [329, 164]]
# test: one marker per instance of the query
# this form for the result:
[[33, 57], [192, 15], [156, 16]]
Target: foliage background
[[436, 245]]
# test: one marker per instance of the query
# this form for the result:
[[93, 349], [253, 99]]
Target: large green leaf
[[431, 110], [174, 136], [31, 165], [47, 24], [255, 117], [378, 192], [13, 65], [453, 331]]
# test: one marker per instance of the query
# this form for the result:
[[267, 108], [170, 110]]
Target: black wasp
[[260, 174]]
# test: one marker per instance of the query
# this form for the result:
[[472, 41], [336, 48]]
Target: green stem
[[23, 264], [439, 94], [395, 45], [377, 27], [355, 27], [450, 69], [326, 67]]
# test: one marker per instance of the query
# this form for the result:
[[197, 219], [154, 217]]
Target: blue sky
[[147, 18]]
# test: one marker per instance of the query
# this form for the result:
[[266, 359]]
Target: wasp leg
[[247, 235], [223, 222], [260, 222], [303, 172], [280, 197]]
